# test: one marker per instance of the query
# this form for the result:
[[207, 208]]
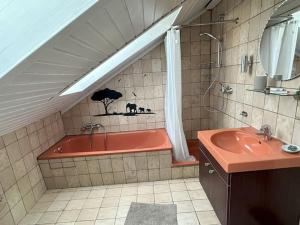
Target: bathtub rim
[[43, 155]]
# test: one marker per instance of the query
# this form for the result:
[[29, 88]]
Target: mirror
[[280, 43]]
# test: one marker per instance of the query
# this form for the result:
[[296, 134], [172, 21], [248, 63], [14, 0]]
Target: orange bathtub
[[116, 143]]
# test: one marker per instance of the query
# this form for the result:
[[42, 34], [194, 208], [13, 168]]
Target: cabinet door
[[203, 172], [219, 196], [215, 187]]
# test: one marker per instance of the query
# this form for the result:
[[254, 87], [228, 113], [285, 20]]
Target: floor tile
[[110, 202], [180, 196], [81, 194], [97, 193], [92, 203], [122, 211], [75, 204], [88, 214], [184, 206], [193, 185], [120, 221], [105, 222], [127, 191], [202, 205], [57, 206], [145, 189], [68, 223], [163, 197], [107, 213], [115, 192], [162, 188], [91, 222], [69, 216], [31, 219], [109, 205], [48, 197], [49, 217], [64, 196], [208, 218], [197, 194], [187, 219], [127, 200], [40, 207], [178, 187], [148, 198]]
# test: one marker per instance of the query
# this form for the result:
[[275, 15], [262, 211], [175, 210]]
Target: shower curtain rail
[[236, 20]]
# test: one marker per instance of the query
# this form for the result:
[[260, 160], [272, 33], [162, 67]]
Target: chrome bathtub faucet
[[265, 130], [91, 127]]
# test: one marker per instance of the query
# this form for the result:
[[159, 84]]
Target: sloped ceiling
[[30, 90]]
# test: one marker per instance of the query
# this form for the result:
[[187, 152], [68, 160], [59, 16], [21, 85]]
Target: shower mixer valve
[[225, 89]]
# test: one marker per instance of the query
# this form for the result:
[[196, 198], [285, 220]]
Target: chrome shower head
[[210, 35]]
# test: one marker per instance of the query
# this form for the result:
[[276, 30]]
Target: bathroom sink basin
[[239, 142]]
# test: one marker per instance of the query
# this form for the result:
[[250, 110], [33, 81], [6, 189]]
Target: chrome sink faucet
[[266, 131]]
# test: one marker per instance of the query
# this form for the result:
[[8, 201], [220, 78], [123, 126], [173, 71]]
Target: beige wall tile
[[287, 106], [284, 128], [9, 138], [4, 161]]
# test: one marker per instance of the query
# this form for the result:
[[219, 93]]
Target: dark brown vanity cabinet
[[266, 197]]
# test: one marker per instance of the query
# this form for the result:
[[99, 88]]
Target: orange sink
[[237, 142], [241, 149]]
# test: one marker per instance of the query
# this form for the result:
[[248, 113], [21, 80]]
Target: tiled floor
[[108, 205]]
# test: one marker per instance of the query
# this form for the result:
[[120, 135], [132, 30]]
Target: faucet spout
[[265, 130]]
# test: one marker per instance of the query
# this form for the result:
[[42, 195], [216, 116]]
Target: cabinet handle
[[206, 164], [211, 171]]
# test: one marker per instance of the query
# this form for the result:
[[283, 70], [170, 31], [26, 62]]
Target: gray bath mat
[[151, 214]]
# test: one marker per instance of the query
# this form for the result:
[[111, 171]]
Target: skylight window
[[125, 53]]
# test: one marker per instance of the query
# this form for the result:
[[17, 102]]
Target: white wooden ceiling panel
[[118, 12], [77, 48], [102, 22], [30, 78], [87, 34], [136, 13], [149, 11], [27, 25], [53, 68], [52, 55], [30, 91], [160, 8]]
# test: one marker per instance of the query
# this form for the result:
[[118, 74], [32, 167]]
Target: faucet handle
[[266, 128]]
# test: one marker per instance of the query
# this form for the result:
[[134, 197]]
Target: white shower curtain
[[281, 40], [173, 98]]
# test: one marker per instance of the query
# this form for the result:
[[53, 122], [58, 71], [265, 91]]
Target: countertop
[[233, 162]]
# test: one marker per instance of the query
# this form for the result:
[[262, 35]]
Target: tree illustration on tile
[[107, 97]]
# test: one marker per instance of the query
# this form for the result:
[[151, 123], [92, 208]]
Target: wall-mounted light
[[246, 64]]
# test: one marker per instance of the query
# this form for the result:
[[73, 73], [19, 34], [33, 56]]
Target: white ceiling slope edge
[[30, 91]]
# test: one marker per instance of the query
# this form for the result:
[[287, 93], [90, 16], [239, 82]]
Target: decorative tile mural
[[107, 97]]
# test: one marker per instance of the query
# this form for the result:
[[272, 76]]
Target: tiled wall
[[21, 182], [195, 51], [143, 83], [282, 113], [113, 169]]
